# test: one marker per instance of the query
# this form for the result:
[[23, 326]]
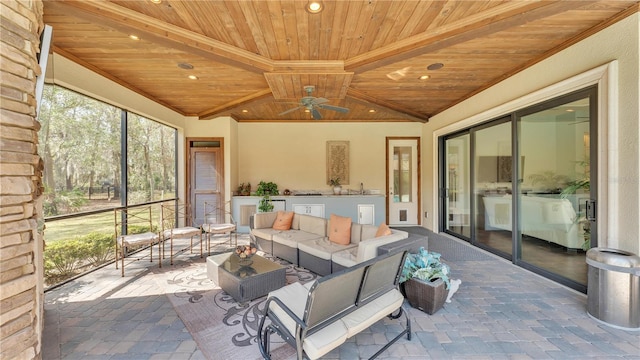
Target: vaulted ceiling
[[252, 59]]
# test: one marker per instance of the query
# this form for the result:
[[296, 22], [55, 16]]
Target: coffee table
[[248, 279]]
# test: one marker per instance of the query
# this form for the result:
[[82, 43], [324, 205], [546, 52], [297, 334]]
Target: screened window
[[79, 143], [151, 160]]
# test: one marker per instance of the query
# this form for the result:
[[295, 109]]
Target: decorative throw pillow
[[340, 229], [283, 220], [383, 230]]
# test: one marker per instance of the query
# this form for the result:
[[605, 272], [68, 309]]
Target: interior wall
[[293, 155], [618, 42]]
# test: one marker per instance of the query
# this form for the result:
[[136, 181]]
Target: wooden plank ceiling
[[252, 59]]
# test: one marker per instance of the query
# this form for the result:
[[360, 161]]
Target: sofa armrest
[[264, 220], [412, 244], [368, 249]]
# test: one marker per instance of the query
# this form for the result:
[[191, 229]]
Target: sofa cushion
[[340, 229], [322, 248], [346, 257], [283, 220], [265, 233], [264, 220], [291, 238], [294, 296], [325, 340], [370, 313], [312, 224], [383, 230], [368, 232], [356, 233]]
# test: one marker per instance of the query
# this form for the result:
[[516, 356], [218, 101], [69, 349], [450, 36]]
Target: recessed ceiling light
[[245, 110], [156, 1], [314, 7], [424, 77], [134, 37], [570, 110], [306, 110], [372, 110], [186, 66], [435, 66], [193, 77]]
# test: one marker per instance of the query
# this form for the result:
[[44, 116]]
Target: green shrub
[[139, 229], [66, 258], [63, 258], [101, 247]]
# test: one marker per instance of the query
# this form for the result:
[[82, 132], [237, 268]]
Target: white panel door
[[402, 192]]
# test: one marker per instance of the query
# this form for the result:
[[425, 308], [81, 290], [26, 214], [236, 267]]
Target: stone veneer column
[[21, 247]]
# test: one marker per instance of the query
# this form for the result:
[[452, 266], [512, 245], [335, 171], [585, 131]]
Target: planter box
[[426, 296]]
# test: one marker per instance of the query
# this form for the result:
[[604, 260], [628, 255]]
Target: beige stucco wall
[[618, 42], [293, 155]]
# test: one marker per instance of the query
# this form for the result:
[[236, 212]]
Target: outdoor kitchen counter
[[361, 208]]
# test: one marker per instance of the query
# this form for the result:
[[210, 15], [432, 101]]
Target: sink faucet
[[361, 189]]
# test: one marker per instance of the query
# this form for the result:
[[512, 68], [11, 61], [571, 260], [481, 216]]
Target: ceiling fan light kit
[[312, 104]]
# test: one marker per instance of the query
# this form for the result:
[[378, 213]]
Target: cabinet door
[[316, 210], [366, 214], [309, 209]]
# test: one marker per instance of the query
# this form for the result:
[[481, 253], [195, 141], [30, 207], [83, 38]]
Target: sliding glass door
[[555, 194], [457, 193], [493, 186], [522, 186]]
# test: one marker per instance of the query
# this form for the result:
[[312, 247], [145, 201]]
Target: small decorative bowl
[[245, 251]]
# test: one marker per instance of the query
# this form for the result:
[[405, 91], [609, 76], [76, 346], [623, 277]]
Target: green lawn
[[79, 226]]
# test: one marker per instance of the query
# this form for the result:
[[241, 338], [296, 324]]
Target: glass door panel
[[403, 203], [457, 185], [492, 187], [555, 189]]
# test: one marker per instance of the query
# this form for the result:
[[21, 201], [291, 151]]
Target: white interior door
[[403, 202]]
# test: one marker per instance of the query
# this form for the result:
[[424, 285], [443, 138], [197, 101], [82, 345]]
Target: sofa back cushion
[[368, 232], [283, 220], [312, 224], [264, 220], [356, 232], [340, 229]]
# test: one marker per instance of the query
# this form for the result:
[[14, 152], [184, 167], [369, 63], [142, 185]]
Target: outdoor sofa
[[319, 316], [308, 240]]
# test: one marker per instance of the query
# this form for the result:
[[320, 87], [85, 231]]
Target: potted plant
[[266, 189], [337, 188], [425, 279], [244, 189]]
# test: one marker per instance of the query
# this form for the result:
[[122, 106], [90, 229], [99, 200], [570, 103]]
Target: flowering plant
[[425, 266], [245, 251]]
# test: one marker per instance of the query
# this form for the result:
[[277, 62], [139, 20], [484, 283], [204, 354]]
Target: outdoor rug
[[222, 328]]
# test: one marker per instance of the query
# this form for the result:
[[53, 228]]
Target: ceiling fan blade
[[318, 101], [291, 110], [334, 108], [316, 114]]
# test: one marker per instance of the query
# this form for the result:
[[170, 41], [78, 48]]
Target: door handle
[[590, 205]]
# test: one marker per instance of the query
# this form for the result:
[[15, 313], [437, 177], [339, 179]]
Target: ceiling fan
[[313, 103]]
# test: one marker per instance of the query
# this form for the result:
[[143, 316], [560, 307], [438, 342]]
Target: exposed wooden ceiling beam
[[119, 81], [308, 66], [127, 21], [498, 18], [392, 106], [254, 99]]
